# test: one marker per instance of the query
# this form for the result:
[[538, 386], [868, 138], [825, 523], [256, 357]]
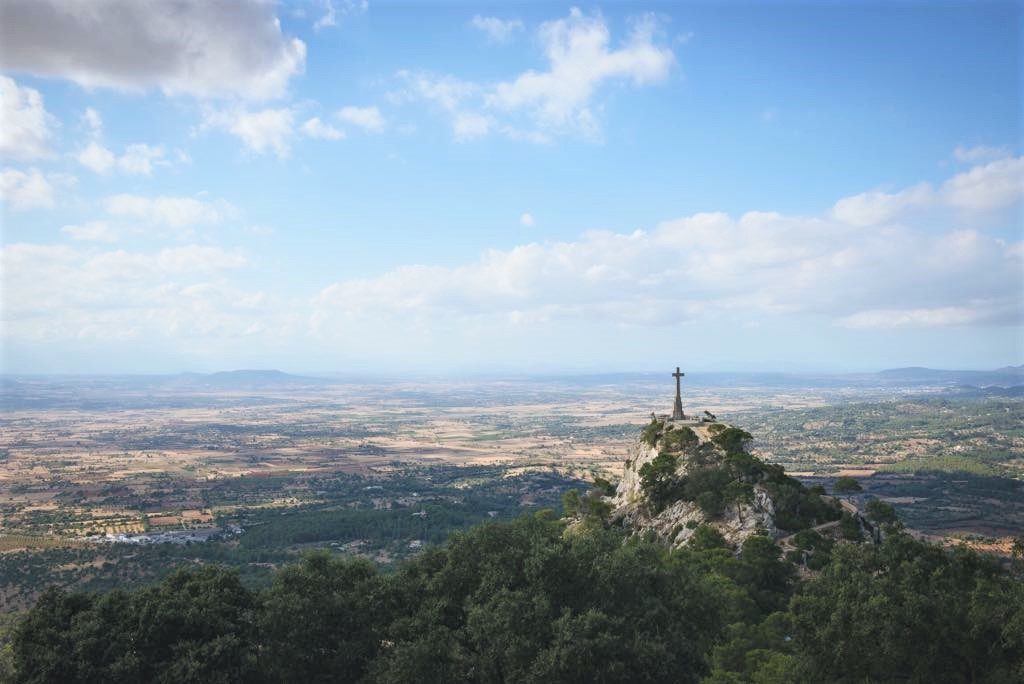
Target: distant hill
[[1007, 376], [246, 379]]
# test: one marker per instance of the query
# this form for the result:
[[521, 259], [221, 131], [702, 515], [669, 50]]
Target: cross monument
[[677, 407]]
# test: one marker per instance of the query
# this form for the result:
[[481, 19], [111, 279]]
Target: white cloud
[[992, 186], [526, 220], [988, 187], [497, 30], [560, 99], [192, 47], [93, 231], [198, 259], [913, 318], [22, 190], [176, 212], [315, 128], [110, 295], [97, 158], [469, 126], [93, 121], [140, 158], [580, 61], [344, 8], [871, 208], [447, 92], [137, 159], [260, 131], [367, 118], [25, 129], [980, 153], [862, 274]]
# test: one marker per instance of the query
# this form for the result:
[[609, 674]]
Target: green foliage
[[844, 485], [680, 439], [908, 611], [525, 601], [732, 440], [658, 479], [760, 652], [723, 473], [320, 620], [850, 529], [195, 626], [590, 506], [603, 486], [522, 602], [945, 463], [707, 537], [570, 503], [650, 433], [880, 512]]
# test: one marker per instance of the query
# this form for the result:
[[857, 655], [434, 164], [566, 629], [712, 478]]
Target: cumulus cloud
[[367, 118], [914, 318], [986, 187], [25, 132], [536, 104], [470, 126], [23, 190], [334, 9], [92, 231], [992, 186], [581, 60], [860, 274], [979, 153], [497, 30], [192, 47], [176, 212], [97, 158], [266, 130], [315, 128], [137, 159], [93, 122], [870, 208], [117, 294]]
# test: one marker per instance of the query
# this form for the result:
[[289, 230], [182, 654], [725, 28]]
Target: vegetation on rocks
[[720, 473]]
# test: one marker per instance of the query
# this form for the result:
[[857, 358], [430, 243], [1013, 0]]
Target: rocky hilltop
[[682, 475]]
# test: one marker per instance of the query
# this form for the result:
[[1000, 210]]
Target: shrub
[[846, 484], [649, 436]]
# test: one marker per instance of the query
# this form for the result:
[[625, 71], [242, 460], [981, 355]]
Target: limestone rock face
[[678, 520]]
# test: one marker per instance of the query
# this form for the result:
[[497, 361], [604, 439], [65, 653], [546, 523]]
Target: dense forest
[[538, 600]]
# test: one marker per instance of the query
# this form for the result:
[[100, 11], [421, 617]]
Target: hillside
[[678, 477]]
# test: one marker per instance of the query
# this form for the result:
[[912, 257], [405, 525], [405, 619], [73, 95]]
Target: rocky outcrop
[[676, 521]]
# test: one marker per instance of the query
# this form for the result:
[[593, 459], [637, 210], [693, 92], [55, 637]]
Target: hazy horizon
[[509, 373], [528, 187]]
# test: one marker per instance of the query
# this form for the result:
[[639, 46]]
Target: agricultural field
[[118, 480]]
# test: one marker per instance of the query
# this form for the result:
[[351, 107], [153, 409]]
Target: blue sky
[[514, 186]]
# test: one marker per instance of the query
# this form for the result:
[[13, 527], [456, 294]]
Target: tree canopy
[[534, 600]]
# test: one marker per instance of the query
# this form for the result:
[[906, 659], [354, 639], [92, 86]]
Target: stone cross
[[677, 407]]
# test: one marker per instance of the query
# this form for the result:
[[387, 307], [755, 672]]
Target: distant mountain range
[[1007, 376], [246, 379], [1011, 377]]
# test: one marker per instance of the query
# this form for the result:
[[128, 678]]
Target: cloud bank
[[862, 264], [204, 48]]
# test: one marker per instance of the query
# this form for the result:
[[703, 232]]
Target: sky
[[342, 185]]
